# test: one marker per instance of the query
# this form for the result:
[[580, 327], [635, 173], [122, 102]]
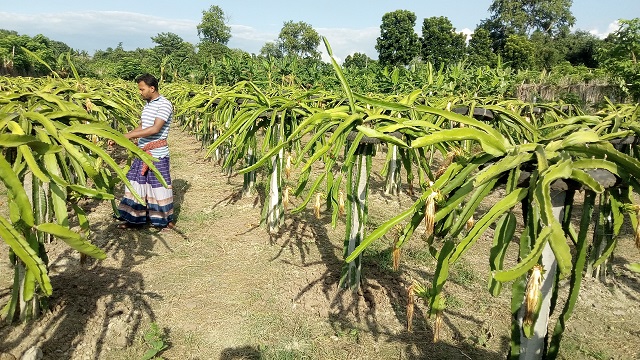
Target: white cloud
[[93, 30], [610, 29], [98, 30], [346, 42], [250, 33], [467, 32], [343, 41]]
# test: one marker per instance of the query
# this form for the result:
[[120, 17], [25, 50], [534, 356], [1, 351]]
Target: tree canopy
[[479, 50], [441, 44], [522, 17], [398, 43], [271, 49], [357, 60], [213, 27], [516, 31], [621, 52], [518, 52], [299, 39]]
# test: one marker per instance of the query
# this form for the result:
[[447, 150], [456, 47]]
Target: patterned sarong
[[159, 208]]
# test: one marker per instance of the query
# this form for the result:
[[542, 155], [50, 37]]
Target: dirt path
[[219, 287]]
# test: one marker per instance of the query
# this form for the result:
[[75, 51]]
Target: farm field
[[221, 287]]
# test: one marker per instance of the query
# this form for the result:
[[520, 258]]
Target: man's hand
[[110, 142]]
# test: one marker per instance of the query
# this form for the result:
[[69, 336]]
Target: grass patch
[[199, 218], [453, 302], [272, 327], [379, 257], [421, 256], [463, 273], [571, 346], [274, 353]]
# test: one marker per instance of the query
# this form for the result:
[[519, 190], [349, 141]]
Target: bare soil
[[220, 287]]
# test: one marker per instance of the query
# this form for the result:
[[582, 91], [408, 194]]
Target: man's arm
[[140, 132]]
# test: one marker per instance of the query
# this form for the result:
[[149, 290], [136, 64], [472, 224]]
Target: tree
[[213, 28], [59, 48], [546, 51], [129, 67], [299, 39], [552, 17], [398, 43], [441, 44], [357, 60], [271, 49], [523, 17], [518, 51], [580, 48], [169, 44], [620, 54], [480, 51], [498, 33], [208, 51], [171, 55], [16, 61]]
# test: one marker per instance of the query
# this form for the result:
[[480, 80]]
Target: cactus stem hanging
[[410, 305], [430, 214], [532, 295], [316, 206]]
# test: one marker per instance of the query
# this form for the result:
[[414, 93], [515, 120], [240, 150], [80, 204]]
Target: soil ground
[[220, 287]]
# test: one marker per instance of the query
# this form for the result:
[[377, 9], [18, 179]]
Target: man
[[152, 136]]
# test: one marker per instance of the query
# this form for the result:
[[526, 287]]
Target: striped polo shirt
[[160, 108]]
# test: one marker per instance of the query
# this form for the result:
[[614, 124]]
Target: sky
[[349, 26]]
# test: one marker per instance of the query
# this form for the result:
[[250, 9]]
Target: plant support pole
[[275, 212], [357, 194], [393, 174], [533, 348], [249, 177]]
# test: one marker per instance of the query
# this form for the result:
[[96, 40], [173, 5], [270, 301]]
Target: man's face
[[146, 91]]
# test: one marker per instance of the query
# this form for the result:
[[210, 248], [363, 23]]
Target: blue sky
[[350, 26]]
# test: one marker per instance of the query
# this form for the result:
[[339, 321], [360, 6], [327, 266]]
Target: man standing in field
[[151, 136]]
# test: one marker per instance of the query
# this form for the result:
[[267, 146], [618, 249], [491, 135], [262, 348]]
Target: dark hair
[[148, 79]]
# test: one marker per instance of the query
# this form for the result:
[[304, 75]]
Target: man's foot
[[170, 226]]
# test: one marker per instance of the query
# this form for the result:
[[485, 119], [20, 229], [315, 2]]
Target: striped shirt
[[160, 108]]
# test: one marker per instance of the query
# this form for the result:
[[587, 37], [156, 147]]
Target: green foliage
[[46, 138], [620, 54], [480, 51], [271, 49], [15, 61], [128, 68], [155, 338], [210, 52], [398, 43], [545, 53], [516, 156], [213, 27], [358, 61], [552, 17], [518, 52], [173, 57], [441, 45], [580, 48], [299, 39]]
